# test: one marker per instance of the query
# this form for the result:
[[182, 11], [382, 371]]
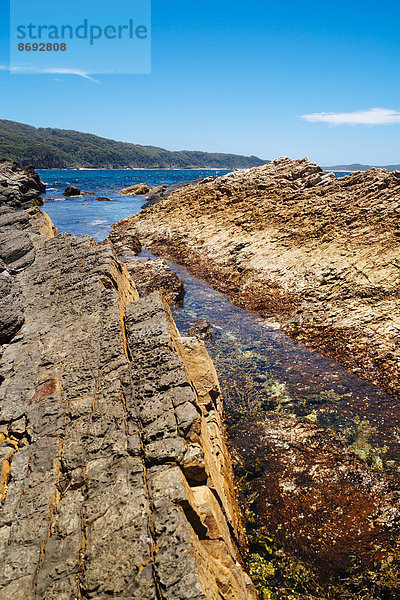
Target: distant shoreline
[[148, 169]]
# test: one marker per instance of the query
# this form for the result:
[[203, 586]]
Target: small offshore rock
[[141, 189], [103, 199], [72, 190]]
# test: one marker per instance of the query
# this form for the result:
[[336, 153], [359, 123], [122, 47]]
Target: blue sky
[[239, 77]]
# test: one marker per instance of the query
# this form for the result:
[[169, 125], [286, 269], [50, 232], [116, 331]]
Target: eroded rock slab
[[151, 275], [115, 480]]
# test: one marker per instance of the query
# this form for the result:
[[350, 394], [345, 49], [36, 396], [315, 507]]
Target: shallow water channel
[[262, 370]]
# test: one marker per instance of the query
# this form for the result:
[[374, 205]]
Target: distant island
[[47, 148], [359, 167]]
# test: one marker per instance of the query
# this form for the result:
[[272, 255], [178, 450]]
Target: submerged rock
[[103, 199], [201, 328], [316, 516], [72, 190]]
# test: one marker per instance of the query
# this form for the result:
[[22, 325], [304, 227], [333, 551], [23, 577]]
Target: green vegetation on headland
[[63, 149]]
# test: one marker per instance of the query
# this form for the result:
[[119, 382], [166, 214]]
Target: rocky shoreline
[[315, 254], [112, 441], [115, 475]]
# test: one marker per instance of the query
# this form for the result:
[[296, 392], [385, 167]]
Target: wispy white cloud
[[50, 71], [62, 71], [372, 116]]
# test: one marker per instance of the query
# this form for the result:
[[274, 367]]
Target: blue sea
[[84, 215], [95, 218]]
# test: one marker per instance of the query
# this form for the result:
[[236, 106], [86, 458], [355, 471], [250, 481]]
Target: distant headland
[[64, 149]]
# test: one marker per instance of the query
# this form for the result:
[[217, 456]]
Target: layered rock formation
[[19, 188], [20, 234], [318, 255], [115, 477]]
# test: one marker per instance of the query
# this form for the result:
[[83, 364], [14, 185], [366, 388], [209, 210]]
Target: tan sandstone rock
[[141, 189]]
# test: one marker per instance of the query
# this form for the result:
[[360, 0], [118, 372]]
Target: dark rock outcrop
[[72, 190], [103, 199], [20, 232], [156, 192], [152, 275], [19, 188]]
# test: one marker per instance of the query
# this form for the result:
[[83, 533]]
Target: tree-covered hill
[[63, 149]]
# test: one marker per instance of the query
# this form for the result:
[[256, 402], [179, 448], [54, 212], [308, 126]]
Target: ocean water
[[85, 215]]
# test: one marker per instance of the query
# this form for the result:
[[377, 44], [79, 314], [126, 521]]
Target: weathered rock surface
[[315, 253], [125, 245], [19, 188], [140, 189], [163, 191], [151, 275], [72, 190], [115, 476]]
